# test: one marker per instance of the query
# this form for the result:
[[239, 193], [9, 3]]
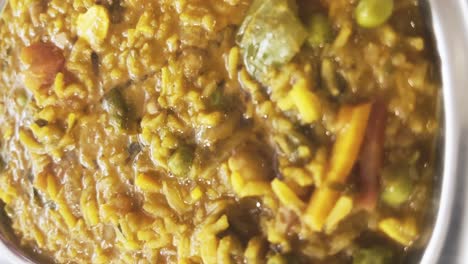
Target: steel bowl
[[448, 21], [448, 243]]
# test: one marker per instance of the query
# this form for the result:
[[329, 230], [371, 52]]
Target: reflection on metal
[[450, 236]]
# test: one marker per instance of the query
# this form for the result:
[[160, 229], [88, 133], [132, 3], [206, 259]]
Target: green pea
[[397, 188], [320, 31], [373, 13]]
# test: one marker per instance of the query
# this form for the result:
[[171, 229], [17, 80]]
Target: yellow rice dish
[[218, 131]]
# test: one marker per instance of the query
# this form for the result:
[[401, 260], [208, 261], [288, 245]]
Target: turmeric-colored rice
[[136, 131]]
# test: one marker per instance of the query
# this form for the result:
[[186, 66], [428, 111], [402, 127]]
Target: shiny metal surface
[[449, 241]]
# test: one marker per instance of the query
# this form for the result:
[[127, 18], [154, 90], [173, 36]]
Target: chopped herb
[[117, 108], [181, 161]]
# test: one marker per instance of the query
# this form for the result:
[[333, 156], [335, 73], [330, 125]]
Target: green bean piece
[[328, 74], [373, 13], [375, 255], [181, 161], [320, 31], [117, 108]]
